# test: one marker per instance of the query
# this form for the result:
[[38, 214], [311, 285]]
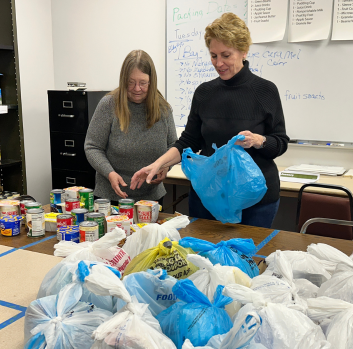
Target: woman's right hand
[[145, 174], [116, 181]]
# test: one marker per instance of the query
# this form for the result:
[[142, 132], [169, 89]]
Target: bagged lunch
[[227, 182], [210, 276], [167, 255], [152, 287], [195, 317], [151, 234], [104, 250], [234, 252]]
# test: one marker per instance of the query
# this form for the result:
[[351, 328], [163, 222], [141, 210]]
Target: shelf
[[9, 163], [6, 47]]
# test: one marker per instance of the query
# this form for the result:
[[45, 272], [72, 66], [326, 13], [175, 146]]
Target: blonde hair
[[230, 30], [155, 102]]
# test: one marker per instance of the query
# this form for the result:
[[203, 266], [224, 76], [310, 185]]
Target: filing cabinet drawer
[[66, 178], [67, 151]]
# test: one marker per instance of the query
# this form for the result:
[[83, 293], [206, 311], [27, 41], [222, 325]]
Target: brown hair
[[155, 102], [230, 30]]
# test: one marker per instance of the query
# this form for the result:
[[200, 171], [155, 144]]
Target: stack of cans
[[68, 233]]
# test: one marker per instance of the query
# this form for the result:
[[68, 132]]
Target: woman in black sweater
[[238, 102]]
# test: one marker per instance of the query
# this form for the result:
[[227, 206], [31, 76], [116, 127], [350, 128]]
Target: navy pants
[[257, 215]]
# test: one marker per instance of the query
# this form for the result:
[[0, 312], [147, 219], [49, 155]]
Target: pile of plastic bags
[[189, 293]]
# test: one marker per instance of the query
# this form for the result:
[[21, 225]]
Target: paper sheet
[[298, 177], [342, 20]]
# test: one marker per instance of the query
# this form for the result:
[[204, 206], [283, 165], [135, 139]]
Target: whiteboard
[[314, 79]]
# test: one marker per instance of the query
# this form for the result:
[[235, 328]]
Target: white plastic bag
[[62, 321], [150, 235], [133, 327], [104, 250], [306, 289], [282, 327], [340, 286], [210, 276]]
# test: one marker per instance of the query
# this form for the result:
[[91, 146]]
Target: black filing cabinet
[[69, 115]]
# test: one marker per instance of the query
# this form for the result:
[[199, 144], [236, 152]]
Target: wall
[[35, 51]]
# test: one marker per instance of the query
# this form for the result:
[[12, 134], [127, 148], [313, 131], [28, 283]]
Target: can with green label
[[87, 197], [100, 219]]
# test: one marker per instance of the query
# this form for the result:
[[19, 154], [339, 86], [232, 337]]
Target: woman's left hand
[[251, 140], [161, 174]]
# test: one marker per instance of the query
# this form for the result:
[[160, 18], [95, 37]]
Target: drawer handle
[[68, 154], [70, 180], [68, 104], [66, 116], [69, 143]]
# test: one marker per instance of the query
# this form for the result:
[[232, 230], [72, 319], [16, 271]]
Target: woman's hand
[[116, 181], [251, 140], [160, 176], [145, 174]]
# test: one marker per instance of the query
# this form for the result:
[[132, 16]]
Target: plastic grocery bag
[[151, 234], [226, 182], [234, 252], [340, 286], [210, 276], [167, 255], [152, 287], [62, 321], [282, 327], [104, 250], [65, 273], [133, 327], [195, 317]]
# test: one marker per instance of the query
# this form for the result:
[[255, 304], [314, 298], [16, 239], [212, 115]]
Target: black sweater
[[222, 108]]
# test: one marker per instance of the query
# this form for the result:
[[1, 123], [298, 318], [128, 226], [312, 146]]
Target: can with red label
[[63, 220], [126, 208], [23, 209], [88, 231], [71, 204], [9, 207]]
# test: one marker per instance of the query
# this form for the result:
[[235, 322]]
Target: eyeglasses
[[142, 84]]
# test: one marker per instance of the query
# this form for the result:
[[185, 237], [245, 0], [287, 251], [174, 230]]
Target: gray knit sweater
[[109, 149]]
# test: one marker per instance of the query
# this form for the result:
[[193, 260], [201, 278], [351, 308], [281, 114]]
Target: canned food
[[14, 194], [103, 206], [32, 204], [88, 231], [2, 197], [23, 209], [79, 215], [57, 196], [119, 221], [86, 196], [69, 233], [35, 222], [100, 219], [126, 208], [10, 225], [71, 204], [63, 220], [9, 207]]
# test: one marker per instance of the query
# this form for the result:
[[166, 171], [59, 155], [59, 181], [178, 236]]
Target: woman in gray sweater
[[131, 128]]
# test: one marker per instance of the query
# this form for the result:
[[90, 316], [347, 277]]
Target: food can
[[71, 204], [35, 222], [69, 233], [57, 196], [102, 206], [86, 196], [10, 225], [79, 215], [126, 208], [15, 194], [63, 220], [100, 219], [9, 208], [23, 209], [119, 221], [32, 204], [2, 197], [88, 231]]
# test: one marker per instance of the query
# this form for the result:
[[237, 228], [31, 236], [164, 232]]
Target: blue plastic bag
[[226, 182], [195, 317], [234, 252], [153, 287]]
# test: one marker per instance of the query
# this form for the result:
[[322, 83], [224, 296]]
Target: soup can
[[63, 220], [35, 222], [69, 233], [99, 218], [9, 208], [126, 208], [15, 194], [23, 209], [88, 231], [71, 204], [32, 204], [79, 215], [103, 206], [86, 196], [57, 196]]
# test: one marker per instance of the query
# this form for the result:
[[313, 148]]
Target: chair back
[[312, 205]]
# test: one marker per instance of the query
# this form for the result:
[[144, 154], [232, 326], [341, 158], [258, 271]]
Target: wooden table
[[213, 231]]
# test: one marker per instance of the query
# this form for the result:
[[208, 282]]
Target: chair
[[312, 205]]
